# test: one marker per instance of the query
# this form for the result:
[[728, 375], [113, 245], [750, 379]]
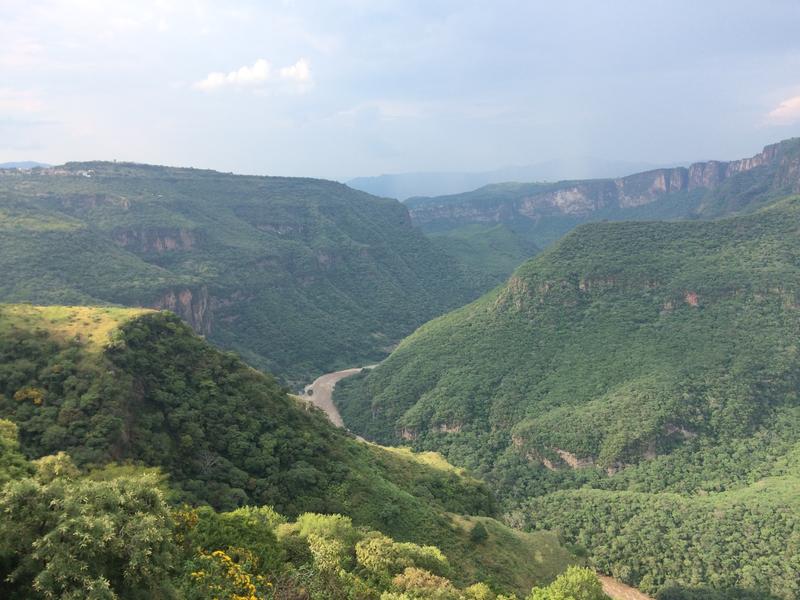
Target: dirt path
[[322, 397], [619, 591], [322, 392]]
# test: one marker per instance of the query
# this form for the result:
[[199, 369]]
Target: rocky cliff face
[[154, 239], [582, 198], [190, 305]]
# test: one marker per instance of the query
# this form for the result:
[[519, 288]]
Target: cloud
[[243, 76], [299, 72], [257, 75], [786, 112]]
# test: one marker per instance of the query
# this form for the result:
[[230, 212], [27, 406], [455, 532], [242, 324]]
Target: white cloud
[[786, 112], [299, 72], [241, 77], [257, 75]]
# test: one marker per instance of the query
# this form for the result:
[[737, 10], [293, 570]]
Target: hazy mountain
[[407, 185], [25, 164], [494, 228]]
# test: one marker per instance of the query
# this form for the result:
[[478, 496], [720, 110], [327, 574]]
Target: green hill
[[110, 385], [300, 276], [657, 358], [495, 228]]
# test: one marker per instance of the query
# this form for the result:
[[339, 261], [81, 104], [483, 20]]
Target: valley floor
[[320, 394]]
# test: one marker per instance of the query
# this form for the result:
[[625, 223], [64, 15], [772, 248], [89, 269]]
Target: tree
[[80, 538], [478, 534], [576, 583], [12, 463]]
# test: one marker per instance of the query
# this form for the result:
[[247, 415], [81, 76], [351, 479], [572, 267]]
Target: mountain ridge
[[408, 185], [300, 276], [579, 198], [495, 228]]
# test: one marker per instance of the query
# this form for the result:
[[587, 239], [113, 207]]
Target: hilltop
[[300, 276], [139, 388], [650, 357]]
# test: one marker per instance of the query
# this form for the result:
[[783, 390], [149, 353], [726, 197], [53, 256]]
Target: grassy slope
[[623, 342], [298, 275], [91, 326], [130, 385]]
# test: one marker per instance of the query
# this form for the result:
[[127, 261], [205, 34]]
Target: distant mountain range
[[24, 164], [494, 228], [407, 185]]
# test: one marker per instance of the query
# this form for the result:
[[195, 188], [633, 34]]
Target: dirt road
[[619, 591], [322, 392]]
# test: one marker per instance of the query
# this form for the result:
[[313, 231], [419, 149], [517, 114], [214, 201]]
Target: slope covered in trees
[[495, 228], [655, 362], [114, 534], [132, 387], [299, 276]]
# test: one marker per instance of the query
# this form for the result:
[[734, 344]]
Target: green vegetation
[[300, 276], [743, 543], [114, 534], [574, 584], [635, 388], [65, 537], [487, 253], [153, 394]]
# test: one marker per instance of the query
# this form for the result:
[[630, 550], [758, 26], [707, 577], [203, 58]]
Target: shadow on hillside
[[707, 593]]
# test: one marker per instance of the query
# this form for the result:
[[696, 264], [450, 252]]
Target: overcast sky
[[360, 87]]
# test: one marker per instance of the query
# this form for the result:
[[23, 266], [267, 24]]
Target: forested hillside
[[495, 228], [299, 276], [655, 362], [129, 387], [114, 534]]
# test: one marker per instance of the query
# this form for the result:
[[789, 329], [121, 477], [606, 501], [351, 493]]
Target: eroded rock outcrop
[[190, 305], [154, 239]]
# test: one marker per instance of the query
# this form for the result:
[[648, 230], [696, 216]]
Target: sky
[[339, 89]]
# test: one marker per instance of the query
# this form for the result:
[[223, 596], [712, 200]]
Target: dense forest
[[637, 373], [106, 401], [299, 276]]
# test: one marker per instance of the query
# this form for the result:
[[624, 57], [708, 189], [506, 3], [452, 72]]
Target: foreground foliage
[[114, 534]]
